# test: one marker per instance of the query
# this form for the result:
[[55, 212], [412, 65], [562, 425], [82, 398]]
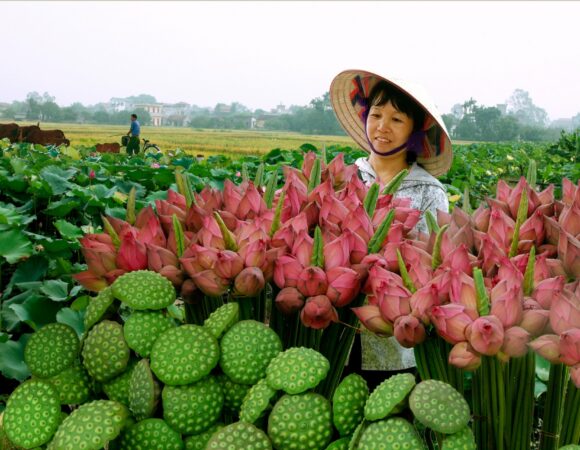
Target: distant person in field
[[397, 123], [134, 132]]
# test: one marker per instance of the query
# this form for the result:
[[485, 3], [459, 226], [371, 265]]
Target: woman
[[400, 127]]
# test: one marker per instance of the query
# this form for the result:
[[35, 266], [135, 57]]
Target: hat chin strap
[[413, 144]]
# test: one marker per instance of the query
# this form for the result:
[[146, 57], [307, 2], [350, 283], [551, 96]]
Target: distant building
[[117, 104], [177, 114], [155, 110]]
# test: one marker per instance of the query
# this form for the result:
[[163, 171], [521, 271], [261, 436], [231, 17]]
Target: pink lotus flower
[[515, 342], [569, 254], [418, 264], [463, 356], [358, 222], [99, 259], [515, 196], [307, 164], [251, 204], [296, 196], [570, 347], [565, 312], [312, 281], [228, 264], [534, 318], [210, 235], [506, 304], [485, 335], [232, 196], [173, 274], [548, 347], [337, 253], [409, 331], [165, 212], [333, 211], [547, 289], [287, 269], [462, 292], [343, 286], [210, 283], [423, 300], [458, 259], [91, 281], [158, 257], [451, 322], [533, 228], [111, 276], [254, 253], [371, 318], [197, 259], [501, 228], [339, 172], [249, 282], [481, 218], [491, 253], [289, 300], [318, 312], [132, 253], [302, 248]]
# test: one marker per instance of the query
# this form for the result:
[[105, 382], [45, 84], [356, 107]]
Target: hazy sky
[[266, 52]]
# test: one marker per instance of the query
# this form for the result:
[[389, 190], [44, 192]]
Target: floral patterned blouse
[[426, 193]]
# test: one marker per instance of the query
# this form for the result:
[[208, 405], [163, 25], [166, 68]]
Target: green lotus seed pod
[[144, 289], [246, 350], [462, 440], [389, 396], [348, 403], [193, 408], [142, 329], [256, 401], [234, 393], [300, 422], [144, 391], [438, 406], [51, 350], [184, 354], [151, 434], [296, 370], [98, 307], [239, 436], [91, 426], [32, 414], [340, 444], [105, 352], [199, 441], [390, 434], [222, 319], [118, 388], [72, 384], [357, 435]]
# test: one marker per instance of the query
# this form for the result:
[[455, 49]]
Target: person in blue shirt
[[134, 132]]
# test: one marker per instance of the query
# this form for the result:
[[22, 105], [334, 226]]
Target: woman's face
[[387, 127]]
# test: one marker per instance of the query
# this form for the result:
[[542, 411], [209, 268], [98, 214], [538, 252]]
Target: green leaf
[[33, 269], [57, 178], [81, 303], [73, 318], [12, 363], [56, 290], [36, 311], [62, 207], [68, 230], [14, 246]]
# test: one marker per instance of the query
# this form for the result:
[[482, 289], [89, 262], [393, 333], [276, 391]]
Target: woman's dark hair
[[384, 92]]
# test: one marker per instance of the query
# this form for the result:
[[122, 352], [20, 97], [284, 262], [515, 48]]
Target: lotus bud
[[111, 276], [210, 283], [515, 342], [287, 270], [132, 254], [232, 196], [249, 282], [423, 300], [370, 317], [158, 257], [507, 307], [318, 312], [463, 356], [548, 347], [343, 286], [228, 264], [337, 253], [302, 248], [254, 253], [90, 281], [547, 289], [173, 274], [534, 318], [100, 260], [289, 300], [501, 228], [481, 218], [570, 347], [267, 267], [409, 331], [565, 312], [569, 254], [251, 204], [189, 292], [485, 335], [451, 322], [312, 281], [462, 292]]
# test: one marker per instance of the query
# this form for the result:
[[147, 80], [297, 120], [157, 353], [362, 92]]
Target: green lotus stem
[[317, 259], [179, 236], [529, 273], [432, 224], [436, 259], [394, 184], [483, 303], [227, 235], [111, 232], [550, 433], [466, 201], [258, 179], [532, 174], [323, 155], [571, 422], [371, 198], [277, 214], [245, 175], [405, 274], [270, 189], [521, 218], [315, 175], [376, 241], [131, 217]]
